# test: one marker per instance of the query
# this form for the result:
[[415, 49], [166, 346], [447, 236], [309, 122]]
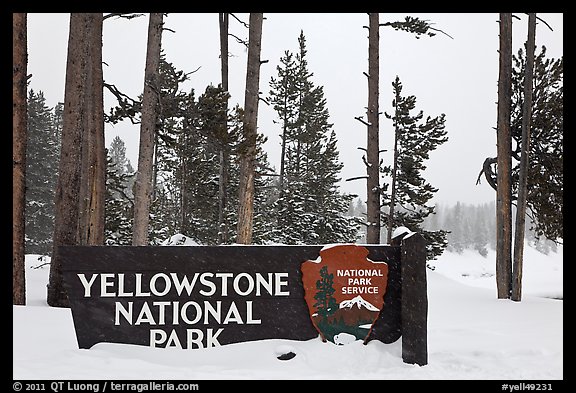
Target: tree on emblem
[[326, 304]]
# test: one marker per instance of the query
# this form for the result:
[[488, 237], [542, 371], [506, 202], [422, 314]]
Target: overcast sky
[[456, 76]]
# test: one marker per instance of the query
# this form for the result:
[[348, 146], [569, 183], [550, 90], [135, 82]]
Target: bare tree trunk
[[19, 132], [223, 19], [524, 159], [67, 200], [248, 149], [143, 185], [373, 144], [183, 204], [394, 172], [155, 168], [504, 142], [223, 175], [93, 171], [282, 159]]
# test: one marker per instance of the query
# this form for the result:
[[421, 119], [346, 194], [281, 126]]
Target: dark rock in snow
[[286, 356]]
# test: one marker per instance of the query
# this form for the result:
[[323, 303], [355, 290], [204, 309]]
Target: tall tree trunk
[[394, 172], [248, 149], [373, 144], [282, 159], [143, 185], [524, 159], [223, 175], [155, 167], [77, 133], [504, 162], [223, 22], [282, 173], [182, 190], [19, 132], [93, 170]]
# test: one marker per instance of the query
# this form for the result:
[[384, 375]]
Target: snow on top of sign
[[359, 302], [400, 230], [328, 246]]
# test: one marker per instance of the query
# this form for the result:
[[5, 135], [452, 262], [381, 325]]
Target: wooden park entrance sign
[[204, 296]]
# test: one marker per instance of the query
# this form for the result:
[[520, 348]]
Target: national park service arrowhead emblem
[[344, 291]]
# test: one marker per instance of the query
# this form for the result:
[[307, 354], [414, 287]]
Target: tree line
[[468, 226], [201, 167]]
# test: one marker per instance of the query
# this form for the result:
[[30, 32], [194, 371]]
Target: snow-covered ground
[[472, 335]]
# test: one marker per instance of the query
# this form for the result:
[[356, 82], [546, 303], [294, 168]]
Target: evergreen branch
[[363, 149], [118, 94], [123, 193], [39, 266], [414, 26], [268, 174], [241, 22], [413, 209], [191, 72], [356, 178], [488, 172], [264, 100], [128, 106], [385, 214], [167, 29], [543, 21], [359, 118], [240, 41], [122, 15], [443, 32], [368, 165], [360, 221]]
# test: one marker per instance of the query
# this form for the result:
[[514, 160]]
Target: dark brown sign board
[[203, 296]]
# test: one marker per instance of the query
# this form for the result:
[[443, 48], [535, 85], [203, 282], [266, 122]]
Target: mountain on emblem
[[359, 302], [344, 291]]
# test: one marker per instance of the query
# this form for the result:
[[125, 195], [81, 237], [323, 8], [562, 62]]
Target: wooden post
[[414, 300]]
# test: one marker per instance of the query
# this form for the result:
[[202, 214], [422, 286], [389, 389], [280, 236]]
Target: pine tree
[[415, 138], [119, 208], [117, 154], [119, 199], [546, 169], [42, 157], [190, 136], [310, 209], [326, 304], [284, 99]]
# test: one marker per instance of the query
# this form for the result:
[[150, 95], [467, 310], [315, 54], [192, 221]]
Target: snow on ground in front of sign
[[471, 335]]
